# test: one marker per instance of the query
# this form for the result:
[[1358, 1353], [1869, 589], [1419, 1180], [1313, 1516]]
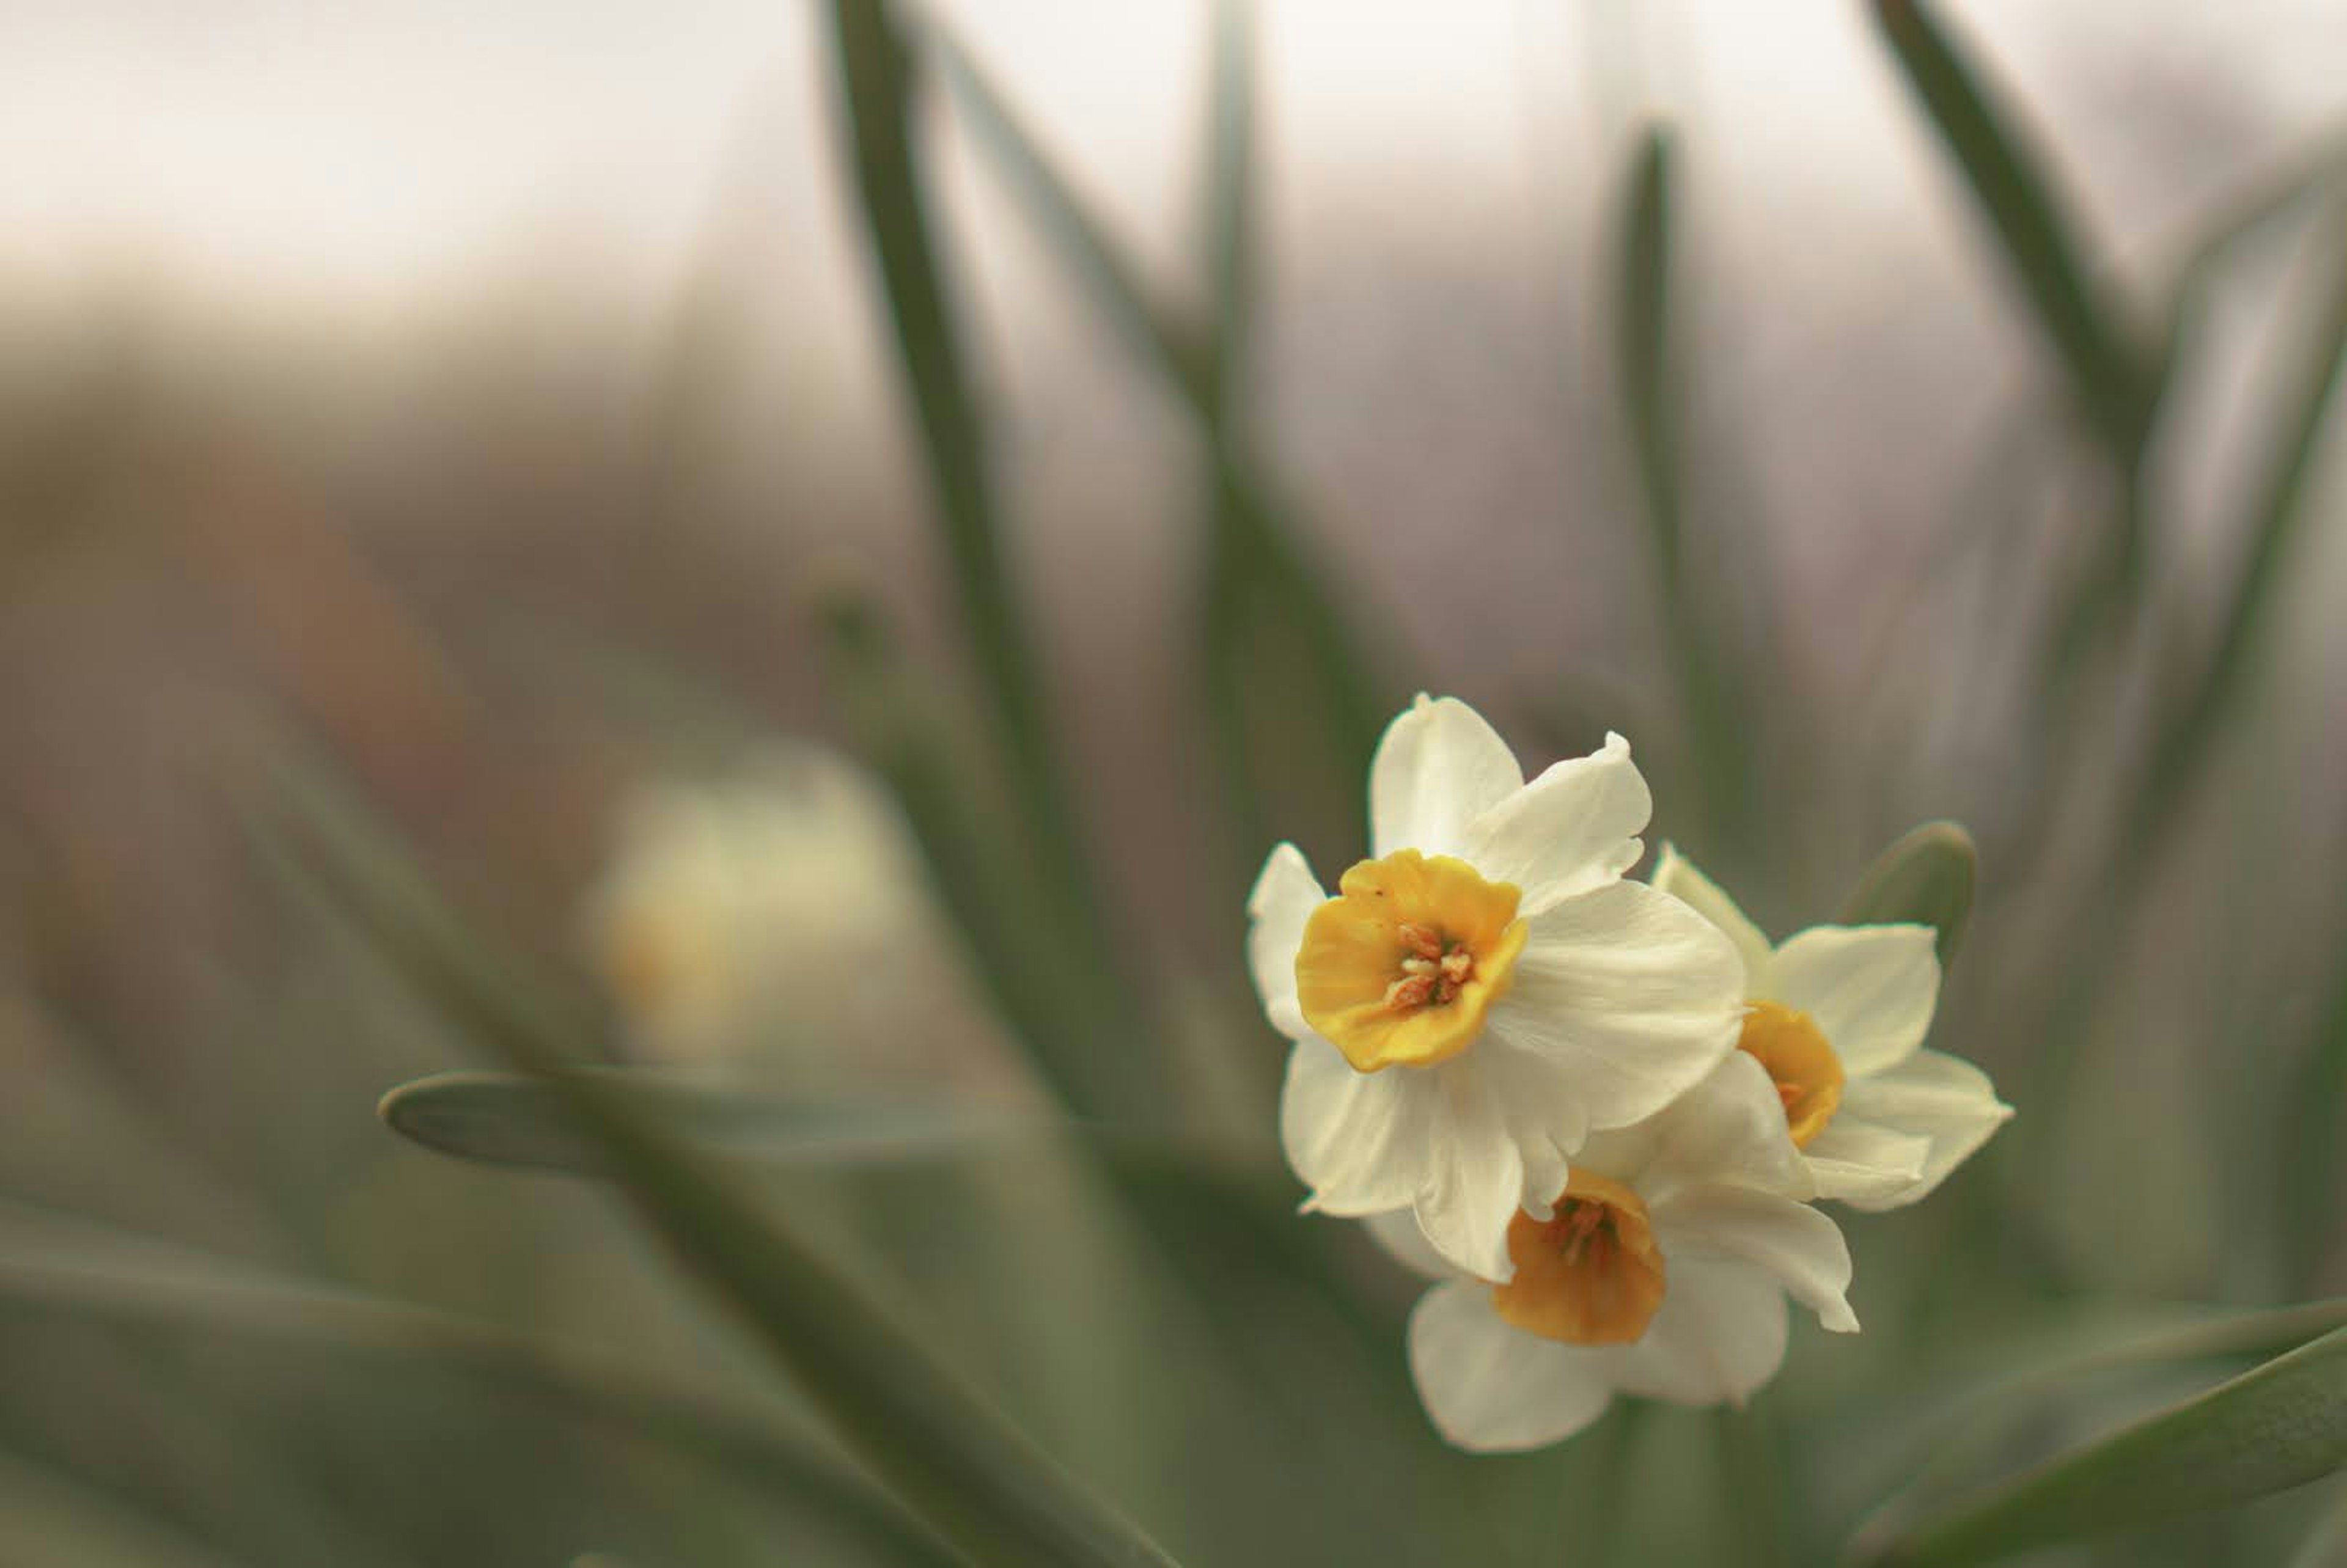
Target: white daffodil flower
[[1487, 991], [1839, 1015], [1661, 1272]]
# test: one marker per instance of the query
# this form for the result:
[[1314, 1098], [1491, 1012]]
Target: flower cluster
[[1597, 1112]]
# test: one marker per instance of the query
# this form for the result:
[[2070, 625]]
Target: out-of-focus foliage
[[787, 1158]]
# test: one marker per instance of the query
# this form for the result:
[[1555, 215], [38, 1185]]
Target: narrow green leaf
[[2274, 516], [94, 1273], [1652, 380], [1648, 363], [2110, 373], [50, 1517], [875, 74], [1254, 548], [509, 1119], [1112, 279], [2316, 172], [971, 1474], [939, 1448], [2325, 1545], [1230, 196], [2311, 1168], [1059, 1008], [2278, 1427], [1927, 876]]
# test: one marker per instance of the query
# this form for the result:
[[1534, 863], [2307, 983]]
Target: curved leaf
[[95, 1272], [2281, 1425], [508, 1119], [1926, 877], [947, 1453], [2113, 379]]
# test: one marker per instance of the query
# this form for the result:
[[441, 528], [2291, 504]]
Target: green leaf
[[94, 1273], [2274, 517], [1927, 876], [2311, 1168], [509, 1119], [1652, 382], [875, 74], [1255, 549], [1109, 276], [933, 1443], [2281, 1425], [2314, 172], [50, 1517], [1057, 1009], [2110, 373]]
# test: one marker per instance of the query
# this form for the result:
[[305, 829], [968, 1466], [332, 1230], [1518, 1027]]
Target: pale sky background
[[348, 179]]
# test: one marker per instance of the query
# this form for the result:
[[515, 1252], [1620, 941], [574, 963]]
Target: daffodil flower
[[1487, 991], [1839, 1015], [1661, 1272]]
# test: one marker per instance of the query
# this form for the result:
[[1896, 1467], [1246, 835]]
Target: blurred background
[[847, 535]]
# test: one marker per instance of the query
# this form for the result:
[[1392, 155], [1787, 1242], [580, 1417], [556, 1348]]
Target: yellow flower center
[[1590, 1275], [1402, 963], [1807, 1074]]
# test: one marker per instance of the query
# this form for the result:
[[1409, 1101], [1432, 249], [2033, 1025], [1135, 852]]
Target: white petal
[[1574, 828], [1930, 1095], [1397, 1231], [1285, 896], [1438, 767], [1870, 988], [1491, 1389], [1729, 1129], [1430, 1140], [1719, 1335], [1675, 875], [1792, 1241], [1623, 1000], [1474, 1179], [1865, 1163], [1360, 1141]]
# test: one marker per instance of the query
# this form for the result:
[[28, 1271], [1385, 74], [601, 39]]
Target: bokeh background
[[499, 412]]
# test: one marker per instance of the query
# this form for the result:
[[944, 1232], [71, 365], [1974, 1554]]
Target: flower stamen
[[1588, 1275], [1402, 963], [1803, 1067]]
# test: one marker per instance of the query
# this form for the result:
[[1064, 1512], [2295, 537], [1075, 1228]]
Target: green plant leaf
[[1652, 377], [2274, 517], [96, 1272], [1253, 550], [2281, 1425], [1927, 876], [933, 1443], [50, 1517], [2110, 373], [1056, 1008], [875, 77], [510, 1119]]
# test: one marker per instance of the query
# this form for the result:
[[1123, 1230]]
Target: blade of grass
[[2278, 1427], [1253, 547], [2314, 172], [2116, 381], [2273, 517], [98, 1273], [2008, 178], [2311, 1171], [932, 1441], [1652, 385], [876, 79], [508, 1119], [48, 1516], [1927, 876], [1061, 1008]]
